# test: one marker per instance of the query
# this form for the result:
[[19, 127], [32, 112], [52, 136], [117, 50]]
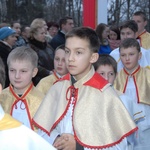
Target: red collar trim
[[66, 77], [54, 72], [132, 72], [141, 34], [109, 144], [24, 95], [22, 98], [97, 81]]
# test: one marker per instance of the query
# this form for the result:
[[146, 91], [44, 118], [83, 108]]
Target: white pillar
[[101, 11]]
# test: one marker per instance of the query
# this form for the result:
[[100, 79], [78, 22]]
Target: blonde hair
[[23, 53], [36, 24]]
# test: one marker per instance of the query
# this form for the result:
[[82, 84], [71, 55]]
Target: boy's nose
[[59, 62], [17, 75], [127, 57], [71, 57]]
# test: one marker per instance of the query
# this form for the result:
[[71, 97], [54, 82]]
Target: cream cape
[[144, 40], [45, 83], [7, 122], [32, 99], [99, 118], [142, 83]]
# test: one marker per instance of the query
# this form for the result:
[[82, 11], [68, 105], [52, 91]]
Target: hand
[[65, 142]]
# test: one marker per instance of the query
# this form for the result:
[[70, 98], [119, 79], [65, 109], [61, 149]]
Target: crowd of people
[[75, 88]]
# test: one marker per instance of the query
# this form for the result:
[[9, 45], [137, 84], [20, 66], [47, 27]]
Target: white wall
[[101, 11]]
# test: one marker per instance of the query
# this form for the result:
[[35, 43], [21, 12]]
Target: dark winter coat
[[4, 52], [57, 40], [45, 61]]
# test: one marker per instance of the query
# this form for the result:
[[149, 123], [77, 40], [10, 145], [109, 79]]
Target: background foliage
[[52, 10]]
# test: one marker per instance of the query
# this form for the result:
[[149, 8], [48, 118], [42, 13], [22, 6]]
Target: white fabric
[[65, 126], [21, 138], [1, 112], [133, 108], [144, 61], [20, 113], [143, 134]]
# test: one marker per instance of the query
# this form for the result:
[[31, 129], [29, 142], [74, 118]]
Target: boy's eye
[[102, 74], [122, 55], [24, 71], [131, 54], [11, 70], [111, 74], [78, 52], [67, 51], [57, 59]]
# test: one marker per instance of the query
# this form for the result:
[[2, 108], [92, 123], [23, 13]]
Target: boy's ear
[[140, 55], [145, 23], [136, 34], [35, 71], [1, 88], [94, 57]]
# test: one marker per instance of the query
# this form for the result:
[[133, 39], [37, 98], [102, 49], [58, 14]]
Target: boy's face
[[107, 72], [127, 33], [21, 73], [79, 57], [129, 57], [140, 22], [59, 62]]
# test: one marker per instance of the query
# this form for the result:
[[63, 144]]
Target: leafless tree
[[120, 10], [3, 10]]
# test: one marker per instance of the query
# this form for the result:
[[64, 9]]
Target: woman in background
[[38, 43], [102, 31], [114, 37]]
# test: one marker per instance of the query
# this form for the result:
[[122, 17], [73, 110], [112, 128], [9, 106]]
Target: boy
[[143, 36], [59, 71], [82, 102], [134, 81], [129, 29], [106, 66], [21, 99], [11, 131]]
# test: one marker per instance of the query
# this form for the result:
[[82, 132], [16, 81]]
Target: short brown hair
[[140, 13], [88, 34], [105, 59], [130, 42]]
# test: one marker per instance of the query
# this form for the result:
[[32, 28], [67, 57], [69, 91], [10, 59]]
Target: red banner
[[89, 13]]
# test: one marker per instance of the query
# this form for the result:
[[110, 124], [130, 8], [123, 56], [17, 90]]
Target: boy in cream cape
[[13, 134], [134, 81], [21, 99], [82, 108]]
